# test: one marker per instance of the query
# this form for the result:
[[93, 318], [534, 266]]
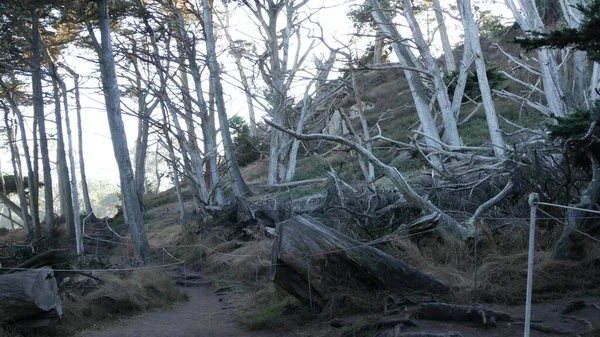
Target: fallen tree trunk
[[307, 252], [29, 294]]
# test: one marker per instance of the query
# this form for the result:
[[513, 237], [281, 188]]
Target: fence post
[[533, 198]]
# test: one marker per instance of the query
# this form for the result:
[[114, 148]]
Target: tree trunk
[[307, 109], [448, 52], [311, 261], [16, 163], [595, 85], [527, 16], [418, 90], [84, 187], [28, 294], [64, 187], [200, 190], [74, 191], [377, 47], [131, 206], [173, 159], [31, 175], [239, 185], [210, 144], [441, 92], [237, 57], [38, 108], [472, 31], [141, 142]]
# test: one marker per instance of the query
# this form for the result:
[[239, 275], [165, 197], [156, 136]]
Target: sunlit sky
[[98, 154]]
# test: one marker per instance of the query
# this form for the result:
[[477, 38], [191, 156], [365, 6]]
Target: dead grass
[[119, 296], [501, 271]]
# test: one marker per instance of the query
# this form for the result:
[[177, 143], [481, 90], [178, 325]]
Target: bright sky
[[98, 154]]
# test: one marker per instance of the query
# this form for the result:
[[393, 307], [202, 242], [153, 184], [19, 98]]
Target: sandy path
[[202, 316]]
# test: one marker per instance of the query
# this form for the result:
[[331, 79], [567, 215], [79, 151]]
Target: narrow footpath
[[206, 314]]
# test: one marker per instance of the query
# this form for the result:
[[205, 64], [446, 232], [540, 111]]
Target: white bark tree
[[239, 185], [450, 63], [441, 92], [527, 16], [472, 34], [418, 89], [131, 206]]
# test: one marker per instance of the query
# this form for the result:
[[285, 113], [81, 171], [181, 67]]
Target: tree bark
[[28, 294], [31, 175], [64, 187], [38, 108], [448, 52], [239, 185], [16, 163], [84, 186], [441, 92], [210, 144], [310, 260], [472, 31], [527, 16], [131, 206], [417, 88], [74, 190]]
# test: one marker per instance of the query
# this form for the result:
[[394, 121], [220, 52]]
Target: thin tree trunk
[[131, 206], [377, 46], [74, 194], [307, 109], [38, 108], [527, 16], [441, 92], [209, 137], [237, 57], [239, 185], [64, 187], [448, 52], [595, 86], [461, 81], [173, 160], [31, 176], [418, 89], [9, 211], [84, 186], [472, 31], [16, 163]]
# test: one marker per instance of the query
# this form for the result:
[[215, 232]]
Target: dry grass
[[501, 271], [119, 296]]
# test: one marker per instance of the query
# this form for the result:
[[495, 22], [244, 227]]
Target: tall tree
[[38, 108], [472, 34], [239, 185], [131, 206]]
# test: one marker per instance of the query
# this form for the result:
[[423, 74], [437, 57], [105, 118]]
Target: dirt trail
[[204, 315]]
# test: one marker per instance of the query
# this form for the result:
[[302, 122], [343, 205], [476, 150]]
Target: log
[[459, 313], [29, 294], [308, 252]]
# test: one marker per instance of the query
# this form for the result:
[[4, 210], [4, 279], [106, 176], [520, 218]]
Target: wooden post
[[533, 198]]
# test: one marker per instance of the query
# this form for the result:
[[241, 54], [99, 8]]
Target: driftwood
[[306, 252], [29, 295], [459, 313]]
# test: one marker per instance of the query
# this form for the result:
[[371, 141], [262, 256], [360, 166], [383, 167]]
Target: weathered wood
[[459, 313], [305, 246], [29, 294]]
